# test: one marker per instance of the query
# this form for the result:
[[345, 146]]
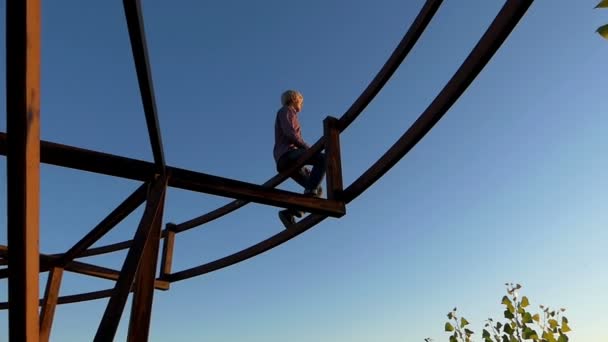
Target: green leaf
[[552, 323], [468, 332], [463, 322], [529, 334], [524, 300], [508, 329], [602, 4], [562, 338], [485, 334], [506, 300], [549, 337], [603, 31], [448, 327], [453, 339], [509, 314], [505, 338], [527, 318], [565, 327], [536, 317]]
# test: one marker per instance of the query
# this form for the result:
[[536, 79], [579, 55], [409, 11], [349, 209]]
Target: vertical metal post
[[143, 296], [334, 163], [23, 165], [167, 257]]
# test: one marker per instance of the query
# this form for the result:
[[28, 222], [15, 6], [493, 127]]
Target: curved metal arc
[[82, 297], [415, 31], [249, 252], [495, 35]]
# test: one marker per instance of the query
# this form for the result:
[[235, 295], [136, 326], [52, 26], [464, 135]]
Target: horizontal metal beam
[[104, 163], [47, 262]]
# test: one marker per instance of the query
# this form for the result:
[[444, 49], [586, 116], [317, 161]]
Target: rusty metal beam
[[81, 159], [23, 165], [49, 303], [168, 244], [143, 295], [195, 181], [77, 298], [48, 262], [135, 24], [152, 214], [334, 159], [107, 248]]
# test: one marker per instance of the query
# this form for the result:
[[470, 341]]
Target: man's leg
[[318, 172], [302, 175]]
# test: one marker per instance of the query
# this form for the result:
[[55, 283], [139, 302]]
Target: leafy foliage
[[603, 30], [521, 325]]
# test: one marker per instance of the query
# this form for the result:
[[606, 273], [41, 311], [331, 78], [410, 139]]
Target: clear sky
[[509, 187]]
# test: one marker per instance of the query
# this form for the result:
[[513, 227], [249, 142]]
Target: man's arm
[[291, 127]]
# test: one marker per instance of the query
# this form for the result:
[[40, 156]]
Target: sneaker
[[286, 218]]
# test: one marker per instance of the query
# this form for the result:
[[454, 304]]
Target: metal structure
[[24, 152]]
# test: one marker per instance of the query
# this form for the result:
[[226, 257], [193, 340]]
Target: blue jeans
[[310, 180]]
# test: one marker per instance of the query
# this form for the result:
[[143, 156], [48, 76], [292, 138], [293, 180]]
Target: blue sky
[[509, 187]]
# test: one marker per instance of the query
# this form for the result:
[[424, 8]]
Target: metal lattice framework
[[25, 151]]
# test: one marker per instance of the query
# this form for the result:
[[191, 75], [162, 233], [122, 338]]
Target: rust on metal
[[98, 162], [49, 303], [23, 166], [143, 294]]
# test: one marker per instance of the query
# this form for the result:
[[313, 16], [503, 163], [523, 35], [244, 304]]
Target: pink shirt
[[287, 132]]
